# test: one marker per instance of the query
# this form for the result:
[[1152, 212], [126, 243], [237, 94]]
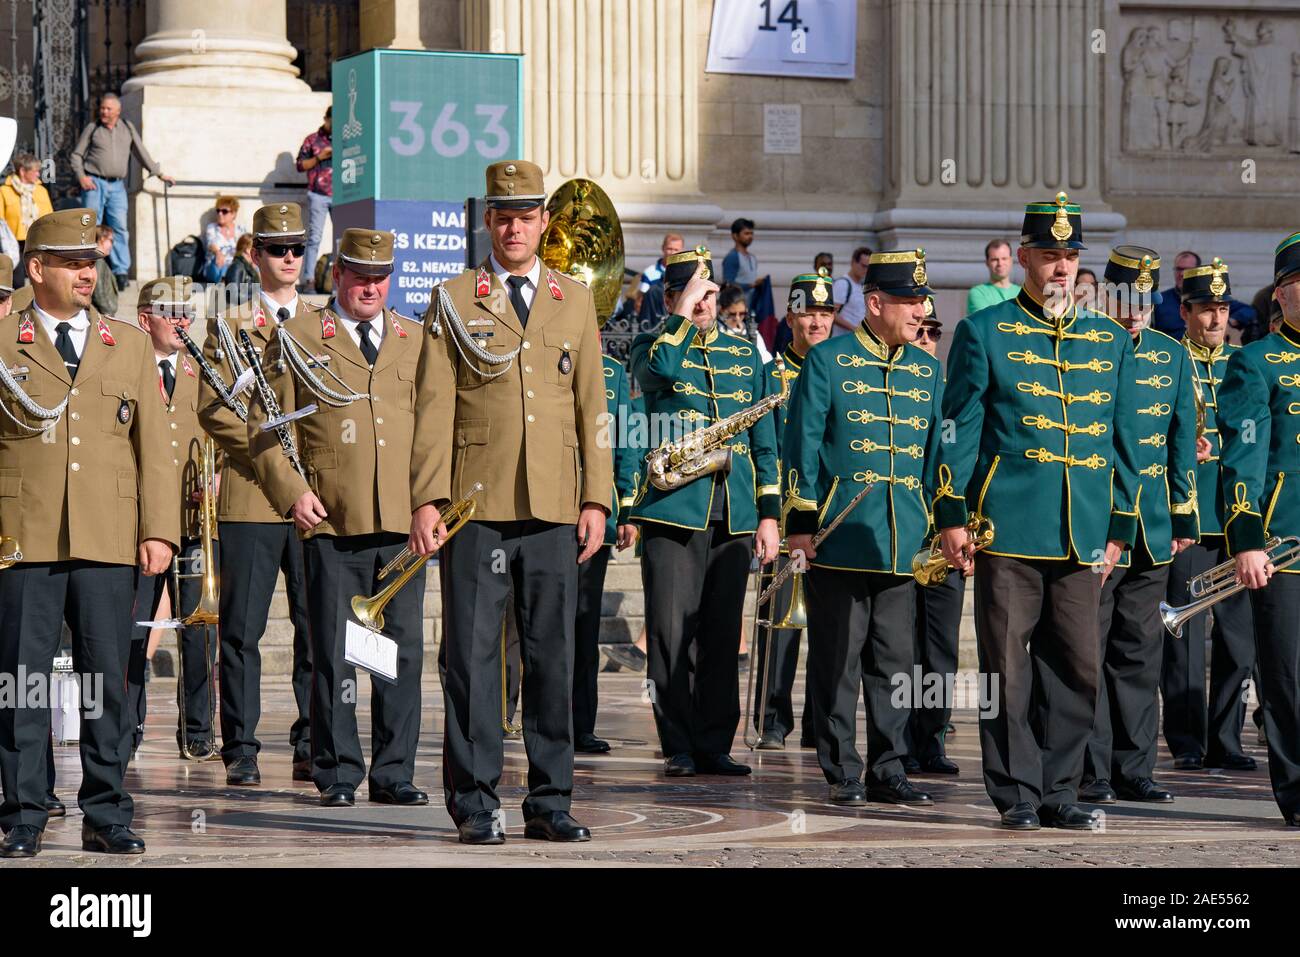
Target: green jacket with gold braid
[[772, 385], [691, 380], [863, 413], [1259, 422], [1209, 366], [1038, 414], [1166, 449], [627, 453]]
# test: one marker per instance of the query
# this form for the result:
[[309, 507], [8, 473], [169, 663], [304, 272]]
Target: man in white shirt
[[850, 303]]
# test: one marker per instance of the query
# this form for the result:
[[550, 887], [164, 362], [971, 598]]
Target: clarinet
[[233, 402], [282, 430]]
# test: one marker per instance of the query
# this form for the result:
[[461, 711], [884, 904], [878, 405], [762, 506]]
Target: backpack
[[186, 258]]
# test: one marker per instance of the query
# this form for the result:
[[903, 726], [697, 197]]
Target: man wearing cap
[[1259, 422], [810, 314], [864, 413], [1121, 753], [696, 537], [356, 360], [165, 306], [257, 542], [87, 487], [1044, 431], [1201, 732], [510, 394]]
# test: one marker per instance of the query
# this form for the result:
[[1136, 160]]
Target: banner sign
[[808, 38]]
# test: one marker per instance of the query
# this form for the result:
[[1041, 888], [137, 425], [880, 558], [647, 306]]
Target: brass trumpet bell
[[796, 613], [10, 553], [930, 568]]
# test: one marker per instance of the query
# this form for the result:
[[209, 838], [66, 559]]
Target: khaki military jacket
[[185, 438]]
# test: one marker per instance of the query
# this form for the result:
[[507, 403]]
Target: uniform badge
[[106, 336], [929, 307], [397, 326], [327, 326], [819, 293], [27, 330], [918, 274], [189, 369], [482, 284], [1061, 228], [1144, 283], [124, 412], [1217, 286], [259, 318], [553, 284], [566, 363]]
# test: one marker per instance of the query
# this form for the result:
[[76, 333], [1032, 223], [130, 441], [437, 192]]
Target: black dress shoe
[[897, 790], [1233, 762], [403, 794], [1188, 762], [590, 744], [1097, 792], [302, 770], [114, 839], [721, 764], [939, 764], [198, 750], [1071, 817], [338, 795], [679, 766], [849, 793], [242, 772], [1292, 820], [23, 840], [1143, 789], [555, 826], [1021, 817], [910, 764], [806, 741], [771, 741], [627, 657], [54, 807], [481, 827]]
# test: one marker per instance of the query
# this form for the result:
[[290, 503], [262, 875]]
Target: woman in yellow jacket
[[23, 197]]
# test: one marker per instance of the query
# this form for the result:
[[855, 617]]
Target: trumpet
[[370, 611], [930, 568], [1220, 582], [10, 553]]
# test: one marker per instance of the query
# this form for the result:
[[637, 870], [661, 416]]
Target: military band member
[[620, 533], [938, 630], [511, 394], [864, 412], [88, 489], [810, 314], [1121, 753], [1040, 400], [696, 538], [1259, 421], [257, 542], [1203, 732]]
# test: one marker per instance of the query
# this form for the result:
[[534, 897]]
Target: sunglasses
[[280, 250], [933, 334], [224, 209], [5, 297]]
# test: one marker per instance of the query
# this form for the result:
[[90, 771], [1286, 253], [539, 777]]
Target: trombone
[[930, 568], [1220, 582], [370, 611], [10, 553]]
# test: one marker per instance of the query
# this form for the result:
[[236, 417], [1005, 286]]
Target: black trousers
[[859, 636], [337, 568], [96, 601], [1194, 725], [1036, 627], [1277, 634], [938, 628], [251, 555], [1123, 741], [480, 566], [780, 674], [694, 585], [586, 641]]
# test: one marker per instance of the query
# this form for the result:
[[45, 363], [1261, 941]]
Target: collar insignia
[[483, 284], [553, 284], [327, 325], [104, 334], [27, 330]]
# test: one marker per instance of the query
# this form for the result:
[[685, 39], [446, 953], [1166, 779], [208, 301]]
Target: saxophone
[[708, 450]]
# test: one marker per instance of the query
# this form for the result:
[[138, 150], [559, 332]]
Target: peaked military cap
[[1207, 283], [367, 251], [168, 296], [6, 275], [1133, 275], [514, 184], [278, 221], [1053, 225], [1286, 260], [679, 268], [897, 273], [810, 291], [69, 233]]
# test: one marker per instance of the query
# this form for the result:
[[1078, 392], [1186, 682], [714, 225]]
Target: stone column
[[391, 23]]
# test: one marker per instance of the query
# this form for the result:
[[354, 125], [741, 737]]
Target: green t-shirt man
[[986, 294]]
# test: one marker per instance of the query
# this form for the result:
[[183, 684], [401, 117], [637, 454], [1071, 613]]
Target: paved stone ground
[[776, 818]]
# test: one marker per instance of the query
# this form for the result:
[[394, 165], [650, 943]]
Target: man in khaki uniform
[[356, 360], [257, 542], [511, 388], [165, 306], [87, 487]]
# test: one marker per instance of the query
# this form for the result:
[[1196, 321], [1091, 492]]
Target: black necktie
[[168, 378], [282, 314], [367, 347], [517, 297], [63, 342]]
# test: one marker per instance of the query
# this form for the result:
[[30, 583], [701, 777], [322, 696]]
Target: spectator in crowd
[[219, 238], [650, 309], [1085, 288], [930, 332], [733, 311], [850, 303], [824, 261], [104, 298], [23, 196], [314, 160], [999, 288], [241, 279], [101, 161], [740, 265]]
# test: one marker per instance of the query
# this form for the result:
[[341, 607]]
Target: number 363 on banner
[[810, 38]]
